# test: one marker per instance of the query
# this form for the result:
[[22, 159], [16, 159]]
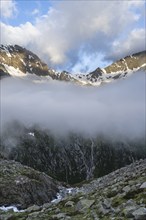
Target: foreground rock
[[23, 186], [117, 196]]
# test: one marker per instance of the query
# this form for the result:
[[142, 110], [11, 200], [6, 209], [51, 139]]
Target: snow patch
[[127, 68], [104, 71], [8, 54], [143, 65], [13, 71], [23, 62], [31, 134], [7, 208], [17, 182], [30, 56]]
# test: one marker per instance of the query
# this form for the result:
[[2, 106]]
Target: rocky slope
[[72, 158], [117, 70], [23, 186], [119, 195], [20, 62]]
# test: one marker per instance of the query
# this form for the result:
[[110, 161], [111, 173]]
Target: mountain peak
[[131, 62], [18, 61], [23, 60]]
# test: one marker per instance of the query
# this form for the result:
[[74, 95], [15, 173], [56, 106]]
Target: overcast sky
[[77, 36]]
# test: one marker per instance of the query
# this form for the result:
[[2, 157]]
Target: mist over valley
[[73, 126], [115, 109]]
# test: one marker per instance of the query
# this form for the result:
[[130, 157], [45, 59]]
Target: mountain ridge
[[19, 62]]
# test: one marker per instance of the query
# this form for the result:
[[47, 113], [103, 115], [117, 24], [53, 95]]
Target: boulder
[[140, 214], [143, 186], [84, 204]]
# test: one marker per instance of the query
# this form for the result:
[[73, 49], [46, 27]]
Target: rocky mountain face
[[20, 62], [128, 63], [119, 69], [23, 186], [73, 158], [118, 195]]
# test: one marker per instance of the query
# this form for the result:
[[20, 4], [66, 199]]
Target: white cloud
[[116, 109], [71, 26], [135, 42], [25, 34], [8, 8], [35, 11]]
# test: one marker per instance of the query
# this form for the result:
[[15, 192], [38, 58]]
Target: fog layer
[[113, 109]]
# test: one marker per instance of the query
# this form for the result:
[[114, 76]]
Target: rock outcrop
[[23, 186]]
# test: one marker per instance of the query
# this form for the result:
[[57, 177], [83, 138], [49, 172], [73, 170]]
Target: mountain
[[119, 69], [118, 195], [24, 186], [72, 158], [33, 159], [20, 62], [75, 157]]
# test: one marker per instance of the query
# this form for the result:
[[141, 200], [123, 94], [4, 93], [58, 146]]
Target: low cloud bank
[[116, 109]]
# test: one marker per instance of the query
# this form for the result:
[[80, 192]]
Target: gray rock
[[59, 216], [131, 202], [84, 204], [33, 208], [7, 216], [143, 186], [57, 211], [103, 210], [126, 189], [128, 211], [69, 204], [107, 203], [46, 205], [34, 215], [140, 214]]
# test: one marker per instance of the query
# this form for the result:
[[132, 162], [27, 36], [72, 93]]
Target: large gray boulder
[[140, 214]]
